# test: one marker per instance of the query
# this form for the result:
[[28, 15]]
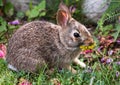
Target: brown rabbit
[[40, 43]]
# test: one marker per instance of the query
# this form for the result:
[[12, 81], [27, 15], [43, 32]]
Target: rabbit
[[40, 43]]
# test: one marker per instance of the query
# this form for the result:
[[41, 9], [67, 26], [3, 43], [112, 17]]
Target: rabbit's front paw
[[78, 62]]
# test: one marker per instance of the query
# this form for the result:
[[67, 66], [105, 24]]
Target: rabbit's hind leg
[[26, 60], [12, 67]]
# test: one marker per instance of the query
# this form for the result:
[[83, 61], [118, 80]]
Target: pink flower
[[2, 51], [118, 63], [59, 84], [110, 52], [86, 51], [109, 60], [15, 22], [23, 81], [118, 41], [117, 74], [72, 9], [103, 60], [26, 83], [1, 54], [99, 49], [106, 60]]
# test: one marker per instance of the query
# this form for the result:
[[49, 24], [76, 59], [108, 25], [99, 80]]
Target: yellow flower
[[83, 47]]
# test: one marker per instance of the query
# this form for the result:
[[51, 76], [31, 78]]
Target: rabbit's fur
[[40, 43]]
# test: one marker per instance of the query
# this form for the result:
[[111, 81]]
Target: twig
[[91, 81]]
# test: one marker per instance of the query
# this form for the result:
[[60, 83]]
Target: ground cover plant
[[103, 60]]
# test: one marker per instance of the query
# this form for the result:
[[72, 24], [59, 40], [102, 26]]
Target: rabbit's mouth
[[72, 46], [88, 42], [75, 45], [80, 44]]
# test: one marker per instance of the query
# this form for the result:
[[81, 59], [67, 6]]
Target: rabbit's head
[[72, 33]]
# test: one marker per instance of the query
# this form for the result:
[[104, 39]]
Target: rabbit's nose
[[89, 41]]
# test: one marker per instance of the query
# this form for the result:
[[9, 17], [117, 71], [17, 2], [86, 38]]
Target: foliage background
[[105, 63]]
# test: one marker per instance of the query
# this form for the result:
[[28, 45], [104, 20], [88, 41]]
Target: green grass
[[101, 75]]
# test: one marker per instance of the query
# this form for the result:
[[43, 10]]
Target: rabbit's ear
[[63, 15]]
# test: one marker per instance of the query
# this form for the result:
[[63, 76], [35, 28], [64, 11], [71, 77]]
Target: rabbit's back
[[35, 40]]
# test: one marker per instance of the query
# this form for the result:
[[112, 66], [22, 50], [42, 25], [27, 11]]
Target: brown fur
[[39, 43]]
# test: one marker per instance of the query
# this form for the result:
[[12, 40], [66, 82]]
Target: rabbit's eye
[[76, 35]]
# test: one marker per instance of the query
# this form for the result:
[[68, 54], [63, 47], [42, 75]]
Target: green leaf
[[12, 27], [9, 9], [41, 6], [30, 4], [116, 34], [107, 28], [36, 11], [42, 14], [2, 25], [1, 3], [33, 13], [20, 14]]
